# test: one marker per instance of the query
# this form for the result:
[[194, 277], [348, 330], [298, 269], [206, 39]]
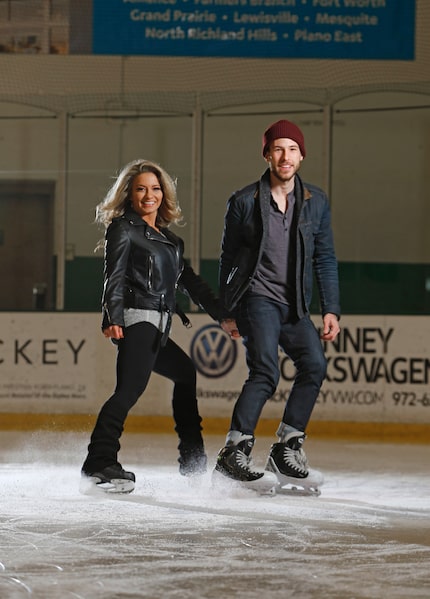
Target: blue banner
[[333, 29]]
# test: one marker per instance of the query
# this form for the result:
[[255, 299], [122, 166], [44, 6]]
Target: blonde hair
[[117, 198]]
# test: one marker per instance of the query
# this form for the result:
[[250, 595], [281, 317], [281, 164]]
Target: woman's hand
[[114, 332], [230, 327]]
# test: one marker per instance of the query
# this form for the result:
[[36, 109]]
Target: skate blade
[[300, 486], [298, 491], [92, 485], [262, 486]]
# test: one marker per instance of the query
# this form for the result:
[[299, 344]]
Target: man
[[277, 236]]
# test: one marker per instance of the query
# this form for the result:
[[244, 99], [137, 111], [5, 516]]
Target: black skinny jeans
[[139, 354]]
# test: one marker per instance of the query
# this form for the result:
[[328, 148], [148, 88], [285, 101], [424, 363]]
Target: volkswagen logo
[[213, 352]]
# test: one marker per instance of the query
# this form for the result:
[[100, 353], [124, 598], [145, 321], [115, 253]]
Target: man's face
[[284, 158]]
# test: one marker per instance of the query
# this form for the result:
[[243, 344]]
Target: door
[[26, 245]]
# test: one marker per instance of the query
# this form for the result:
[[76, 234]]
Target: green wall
[[366, 288]]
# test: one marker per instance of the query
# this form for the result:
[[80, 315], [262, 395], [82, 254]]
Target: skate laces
[[296, 459], [244, 461]]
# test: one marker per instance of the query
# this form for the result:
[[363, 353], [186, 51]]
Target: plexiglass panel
[[99, 145], [29, 175], [381, 177], [232, 158]]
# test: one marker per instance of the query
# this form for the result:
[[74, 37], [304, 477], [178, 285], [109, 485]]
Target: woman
[[143, 267]]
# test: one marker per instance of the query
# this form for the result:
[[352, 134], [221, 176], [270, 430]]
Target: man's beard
[[282, 178]]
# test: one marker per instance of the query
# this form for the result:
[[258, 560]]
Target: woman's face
[[146, 196]]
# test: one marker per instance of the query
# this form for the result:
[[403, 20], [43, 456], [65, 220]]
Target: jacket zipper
[[152, 238], [150, 271]]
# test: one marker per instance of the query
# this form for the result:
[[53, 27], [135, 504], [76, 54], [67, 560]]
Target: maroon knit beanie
[[284, 129]]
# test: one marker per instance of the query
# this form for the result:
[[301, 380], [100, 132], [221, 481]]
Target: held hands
[[330, 331], [114, 332], [229, 326], [331, 327]]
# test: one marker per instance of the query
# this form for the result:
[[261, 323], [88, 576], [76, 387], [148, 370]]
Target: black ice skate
[[234, 463], [192, 460], [288, 461], [112, 479]]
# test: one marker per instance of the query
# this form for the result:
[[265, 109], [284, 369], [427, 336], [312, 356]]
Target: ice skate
[[192, 460], [112, 479], [234, 464], [288, 462]]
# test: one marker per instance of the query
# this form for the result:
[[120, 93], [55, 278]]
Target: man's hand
[[331, 327], [230, 327]]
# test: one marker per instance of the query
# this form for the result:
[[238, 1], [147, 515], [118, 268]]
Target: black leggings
[[139, 354]]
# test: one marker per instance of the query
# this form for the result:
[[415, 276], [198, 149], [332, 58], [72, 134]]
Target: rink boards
[[58, 367]]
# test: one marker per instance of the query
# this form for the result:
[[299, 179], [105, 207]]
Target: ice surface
[[366, 537]]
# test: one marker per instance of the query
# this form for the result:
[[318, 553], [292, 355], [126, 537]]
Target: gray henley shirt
[[271, 276]]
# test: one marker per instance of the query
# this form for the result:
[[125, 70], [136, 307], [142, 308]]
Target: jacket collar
[[133, 217]]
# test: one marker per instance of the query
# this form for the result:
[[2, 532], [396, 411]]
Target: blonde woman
[[143, 267]]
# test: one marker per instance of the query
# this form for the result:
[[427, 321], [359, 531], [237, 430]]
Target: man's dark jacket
[[312, 249]]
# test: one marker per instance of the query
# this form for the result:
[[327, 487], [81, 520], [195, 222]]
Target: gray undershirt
[[135, 315]]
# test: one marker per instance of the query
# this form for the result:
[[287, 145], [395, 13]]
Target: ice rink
[[366, 537]]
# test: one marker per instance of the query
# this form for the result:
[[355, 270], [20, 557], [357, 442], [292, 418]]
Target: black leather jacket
[[143, 269]]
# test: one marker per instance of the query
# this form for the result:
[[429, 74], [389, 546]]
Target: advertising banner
[[378, 368], [53, 363], [378, 371], [348, 29]]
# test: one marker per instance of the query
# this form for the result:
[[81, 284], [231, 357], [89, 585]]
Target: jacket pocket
[[239, 277], [143, 273]]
